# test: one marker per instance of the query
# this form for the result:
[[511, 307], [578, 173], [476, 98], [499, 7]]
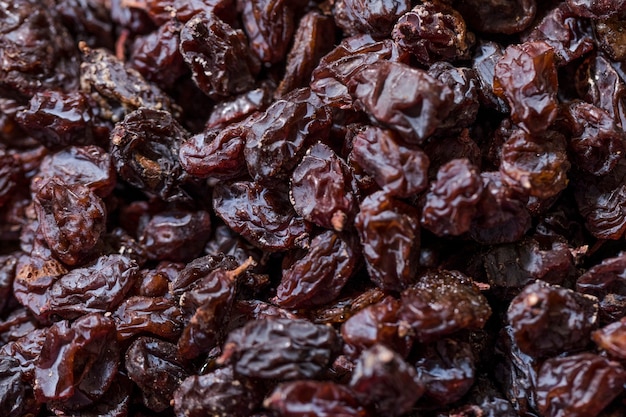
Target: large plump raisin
[[330, 79], [84, 355], [277, 140], [433, 31], [406, 99]]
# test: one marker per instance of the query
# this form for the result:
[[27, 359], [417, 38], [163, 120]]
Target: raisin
[[515, 265], [118, 89], [526, 77], [564, 386], [209, 301], [384, 380], [600, 202], [501, 215], [606, 281], [389, 232], [407, 99], [378, 323], [318, 277], [314, 399], [601, 82], [496, 16], [158, 316], [57, 119], [323, 189], [152, 364], [433, 31], [145, 153], [452, 201], [314, 37], [446, 368], [175, 235], [596, 143], [277, 140], [375, 18], [156, 55], [568, 35], [71, 219], [215, 154], [269, 25], [263, 216], [88, 165], [226, 113], [218, 56], [82, 359], [486, 56], [549, 319], [610, 37], [280, 349], [612, 338], [599, 9], [464, 83], [330, 79], [441, 303], [39, 54], [516, 372], [397, 168], [96, 287], [220, 392], [536, 164], [16, 395]]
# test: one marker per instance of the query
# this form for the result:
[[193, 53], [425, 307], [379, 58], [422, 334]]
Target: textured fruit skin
[[296, 208]]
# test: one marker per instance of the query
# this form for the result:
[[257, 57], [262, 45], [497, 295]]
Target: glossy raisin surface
[[270, 208]]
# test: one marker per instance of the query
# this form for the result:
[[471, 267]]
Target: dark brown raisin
[[263, 216], [390, 234], [578, 385], [323, 189], [218, 56], [441, 303], [547, 319], [280, 349]]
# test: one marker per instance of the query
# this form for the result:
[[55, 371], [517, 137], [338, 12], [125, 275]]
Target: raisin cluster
[[312, 208]]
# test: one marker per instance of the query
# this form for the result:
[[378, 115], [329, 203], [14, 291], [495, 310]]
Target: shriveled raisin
[[280, 349], [441, 303], [549, 319], [389, 232], [565, 387], [218, 56], [323, 189]]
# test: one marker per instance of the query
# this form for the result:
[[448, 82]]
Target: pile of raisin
[[312, 208]]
